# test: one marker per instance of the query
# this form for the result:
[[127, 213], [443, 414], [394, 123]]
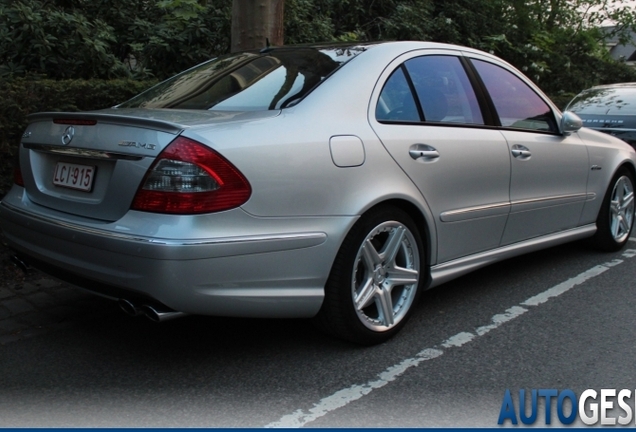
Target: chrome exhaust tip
[[19, 263], [129, 308], [160, 316]]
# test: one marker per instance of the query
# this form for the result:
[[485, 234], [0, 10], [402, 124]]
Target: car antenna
[[267, 48]]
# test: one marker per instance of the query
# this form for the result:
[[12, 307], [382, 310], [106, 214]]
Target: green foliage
[[53, 42], [20, 97], [351, 20], [557, 43], [468, 22], [165, 37], [122, 38]]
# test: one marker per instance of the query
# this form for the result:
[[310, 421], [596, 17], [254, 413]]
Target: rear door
[[427, 115]]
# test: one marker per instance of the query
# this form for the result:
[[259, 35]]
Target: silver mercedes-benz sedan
[[331, 181]]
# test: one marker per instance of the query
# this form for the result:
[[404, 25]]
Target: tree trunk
[[256, 21]]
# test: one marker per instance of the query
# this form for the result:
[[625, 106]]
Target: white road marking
[[355, 392], [500, 319], [339, 399], [559, 289], [629, 253], [458, 340]]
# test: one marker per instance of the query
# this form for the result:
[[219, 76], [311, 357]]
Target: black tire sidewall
[[603, 238], [338, 308]]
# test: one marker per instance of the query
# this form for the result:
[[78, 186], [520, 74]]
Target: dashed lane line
[[341, 398]]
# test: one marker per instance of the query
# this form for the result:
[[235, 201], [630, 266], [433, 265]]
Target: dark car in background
[[608, 108]]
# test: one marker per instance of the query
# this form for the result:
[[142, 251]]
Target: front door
[[549, 170]]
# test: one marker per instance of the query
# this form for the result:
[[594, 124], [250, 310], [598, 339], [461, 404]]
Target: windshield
[[248, 81], [605, 101]]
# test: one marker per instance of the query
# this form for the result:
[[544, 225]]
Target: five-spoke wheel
[[616, 218], [385, 275], [375, 279]]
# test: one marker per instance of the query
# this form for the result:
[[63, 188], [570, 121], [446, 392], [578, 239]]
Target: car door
[[549, 170], [426, 114]]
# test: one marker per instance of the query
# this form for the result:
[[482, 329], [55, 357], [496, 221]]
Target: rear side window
[[443, 89], [442, 92], [517, 105], [396, 101]]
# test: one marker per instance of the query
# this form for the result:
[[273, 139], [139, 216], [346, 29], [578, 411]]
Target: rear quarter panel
[[287, 159]]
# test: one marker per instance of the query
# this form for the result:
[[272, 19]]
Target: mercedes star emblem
[[68, 135]]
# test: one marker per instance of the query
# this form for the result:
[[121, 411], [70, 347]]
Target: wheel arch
[[612, 230], [630, 167], [420, 220], [338, 314]]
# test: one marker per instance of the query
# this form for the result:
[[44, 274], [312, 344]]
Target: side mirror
[[570, 122]]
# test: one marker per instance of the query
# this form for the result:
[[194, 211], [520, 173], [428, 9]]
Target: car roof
[[612, 86], [405, 45]]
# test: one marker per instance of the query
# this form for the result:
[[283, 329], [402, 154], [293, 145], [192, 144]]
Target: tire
[[375, 280], [616, 217]]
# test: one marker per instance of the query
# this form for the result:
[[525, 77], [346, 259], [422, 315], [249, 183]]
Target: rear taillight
[[17, 176], [190, 178]]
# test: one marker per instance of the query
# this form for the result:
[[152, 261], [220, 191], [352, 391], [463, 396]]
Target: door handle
[[521, 152], [423, 151]]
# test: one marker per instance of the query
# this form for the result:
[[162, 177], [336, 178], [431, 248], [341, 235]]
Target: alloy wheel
[[385, 276]]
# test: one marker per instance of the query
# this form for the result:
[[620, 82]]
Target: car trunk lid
[[91, 164]]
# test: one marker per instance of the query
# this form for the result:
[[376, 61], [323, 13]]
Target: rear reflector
[[17, 176], [190, 178]]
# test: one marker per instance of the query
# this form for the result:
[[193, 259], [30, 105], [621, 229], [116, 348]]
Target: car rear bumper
[[277, 273]]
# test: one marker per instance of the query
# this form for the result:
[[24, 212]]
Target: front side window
[[517, 105]]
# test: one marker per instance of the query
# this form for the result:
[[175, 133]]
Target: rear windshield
[[249, 81], [605, 101]]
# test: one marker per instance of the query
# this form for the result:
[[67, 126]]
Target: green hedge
[[562, 100], [20, 97]]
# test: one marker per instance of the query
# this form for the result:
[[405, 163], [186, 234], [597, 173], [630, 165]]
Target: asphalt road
[[562, 318]]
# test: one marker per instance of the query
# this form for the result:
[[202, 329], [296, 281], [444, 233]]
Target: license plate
[[74, 176]]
